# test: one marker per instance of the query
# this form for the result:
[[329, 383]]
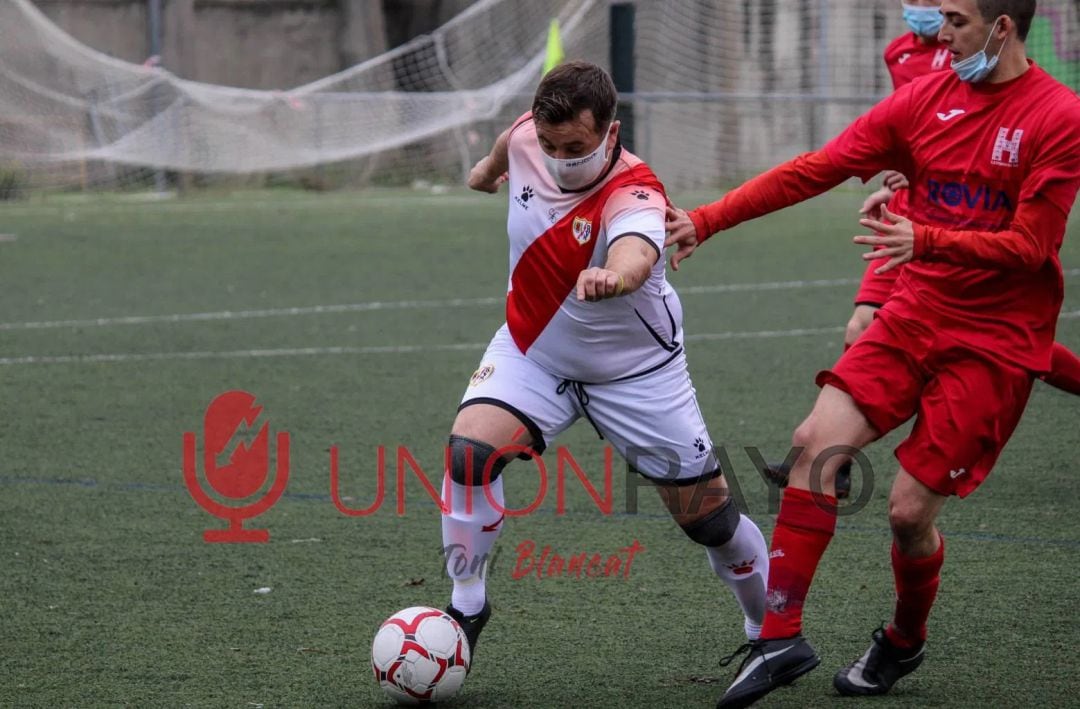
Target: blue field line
[[429, 505]]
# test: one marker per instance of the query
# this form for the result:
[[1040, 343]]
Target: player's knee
[[854, 330], [715, 528], [908, 520], [805, 435], [473, 462]]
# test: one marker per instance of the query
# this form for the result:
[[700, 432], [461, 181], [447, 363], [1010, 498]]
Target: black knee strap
[[468, 460], [716, 528]]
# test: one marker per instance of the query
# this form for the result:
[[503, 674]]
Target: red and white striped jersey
[[556, 234]]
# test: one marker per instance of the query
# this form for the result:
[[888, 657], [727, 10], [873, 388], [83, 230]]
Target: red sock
[[917, 582], [803, 531], [1064, 370]]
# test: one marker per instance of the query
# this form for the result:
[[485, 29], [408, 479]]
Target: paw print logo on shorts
[[640, 194], [700, 445]]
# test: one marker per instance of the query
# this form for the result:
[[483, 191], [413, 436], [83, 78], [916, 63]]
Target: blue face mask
[[977, 67], [923, 21]]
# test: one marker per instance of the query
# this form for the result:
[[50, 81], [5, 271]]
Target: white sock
[[743, 564], [466, 545]]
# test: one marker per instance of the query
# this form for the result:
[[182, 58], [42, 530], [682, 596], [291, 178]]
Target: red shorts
[[966, 403], [875, 288]]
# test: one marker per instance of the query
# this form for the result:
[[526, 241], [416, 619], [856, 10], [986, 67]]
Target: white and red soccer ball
[[420, 655]]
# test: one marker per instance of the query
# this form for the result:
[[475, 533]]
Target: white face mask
[[575, 173]]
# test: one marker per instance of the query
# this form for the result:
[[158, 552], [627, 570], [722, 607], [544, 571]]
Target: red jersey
[[994, 172], [908, 57]]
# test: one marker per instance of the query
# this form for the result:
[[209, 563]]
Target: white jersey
[[554, 235]]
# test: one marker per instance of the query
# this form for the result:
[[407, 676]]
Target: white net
[[720, 90], [69, 113], [727, 89]]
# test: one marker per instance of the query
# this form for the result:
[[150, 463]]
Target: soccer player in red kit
[[909, 56], [992, 153]]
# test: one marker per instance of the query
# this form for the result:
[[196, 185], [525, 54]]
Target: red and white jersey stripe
[[556, 234]]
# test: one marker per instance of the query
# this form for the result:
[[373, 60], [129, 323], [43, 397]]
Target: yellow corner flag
[[554, 47]]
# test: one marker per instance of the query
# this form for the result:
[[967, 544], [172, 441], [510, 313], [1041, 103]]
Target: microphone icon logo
[[236, 464]]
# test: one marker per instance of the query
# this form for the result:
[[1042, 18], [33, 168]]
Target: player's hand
[[681, 231], [876, 201], [894, 241], [599, 283], [895, 181], [481, 180]]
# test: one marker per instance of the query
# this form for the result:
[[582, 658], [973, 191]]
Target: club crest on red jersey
[[581, 229], [1005, 145]]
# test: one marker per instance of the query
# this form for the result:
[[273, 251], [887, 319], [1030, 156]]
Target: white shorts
[[652, 419]]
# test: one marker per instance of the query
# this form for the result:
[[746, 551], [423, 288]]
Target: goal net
[[720, 90]]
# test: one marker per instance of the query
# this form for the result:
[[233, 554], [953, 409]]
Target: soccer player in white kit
[[593, 330]]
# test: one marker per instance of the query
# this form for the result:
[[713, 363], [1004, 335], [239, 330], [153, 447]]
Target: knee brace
[[716, 528], [469, 458]]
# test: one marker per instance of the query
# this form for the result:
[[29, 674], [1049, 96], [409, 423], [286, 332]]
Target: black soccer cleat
[[843, 481], [768, 665], [879, 669], [472, 625], [777, 474]]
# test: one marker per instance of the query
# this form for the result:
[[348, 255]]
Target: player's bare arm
[[491, 170], [629, 263]]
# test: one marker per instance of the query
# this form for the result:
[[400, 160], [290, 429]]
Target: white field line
[[380, 350], [375, 305], [383, 350]]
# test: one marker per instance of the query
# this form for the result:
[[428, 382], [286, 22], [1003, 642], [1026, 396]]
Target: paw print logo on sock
[[742, 568], [640, 194]]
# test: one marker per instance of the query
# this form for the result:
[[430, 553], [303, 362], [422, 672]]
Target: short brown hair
[[1019, 11], [572, 87]]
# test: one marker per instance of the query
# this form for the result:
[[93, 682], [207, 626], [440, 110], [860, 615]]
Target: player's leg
[[918, 554], [871, 390], [860, 319], [510, 408], [872, 293], [1064, 370], [734, 545], [967, 413], [474, 487], [655, 423]]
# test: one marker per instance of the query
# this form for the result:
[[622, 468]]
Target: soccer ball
[[420, 655]]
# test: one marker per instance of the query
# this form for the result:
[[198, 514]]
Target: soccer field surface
[[356, 320]]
